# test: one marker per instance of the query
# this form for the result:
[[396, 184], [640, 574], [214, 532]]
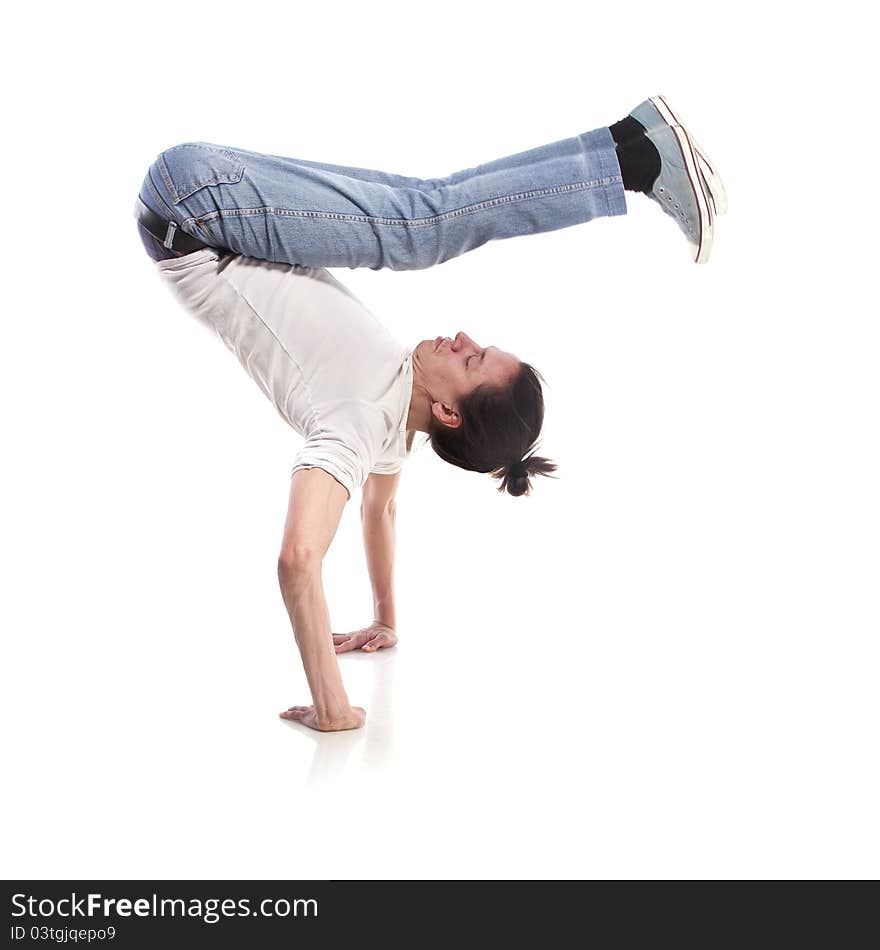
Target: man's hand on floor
[[375, 637], [353, 719]]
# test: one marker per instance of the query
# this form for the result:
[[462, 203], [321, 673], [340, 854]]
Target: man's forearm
[[379, 540], [306, 605]]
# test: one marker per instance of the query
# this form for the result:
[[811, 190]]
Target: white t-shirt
[[332, 371]]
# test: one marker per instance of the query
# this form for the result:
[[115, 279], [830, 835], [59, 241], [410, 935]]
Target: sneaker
[[714, 185], [688, 188]]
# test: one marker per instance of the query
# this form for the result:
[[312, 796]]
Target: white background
[[664, 664]]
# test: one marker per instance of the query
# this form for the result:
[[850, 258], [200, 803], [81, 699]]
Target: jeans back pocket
[[191, 166]]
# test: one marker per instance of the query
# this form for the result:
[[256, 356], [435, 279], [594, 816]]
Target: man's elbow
[[375, 511], [298, 561]]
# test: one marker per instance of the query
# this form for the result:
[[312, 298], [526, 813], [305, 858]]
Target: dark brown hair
[[498, 427]]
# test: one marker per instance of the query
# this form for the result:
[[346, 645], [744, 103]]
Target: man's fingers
[[342, 637], [350, 644], [379, 641]]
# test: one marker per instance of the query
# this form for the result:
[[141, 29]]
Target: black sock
[[637, 155]]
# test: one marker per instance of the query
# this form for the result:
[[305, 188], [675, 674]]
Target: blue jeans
[[318, 215]]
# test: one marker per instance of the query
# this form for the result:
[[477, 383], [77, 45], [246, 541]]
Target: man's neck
[[419, 415]]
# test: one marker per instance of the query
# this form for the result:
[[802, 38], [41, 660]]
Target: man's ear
[[445, 415]]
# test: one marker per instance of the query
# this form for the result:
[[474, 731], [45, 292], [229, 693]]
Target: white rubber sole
[[691, 162], [715, 186], [713, 180]]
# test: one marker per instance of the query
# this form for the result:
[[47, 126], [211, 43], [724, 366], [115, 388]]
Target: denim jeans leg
[[320, 215]]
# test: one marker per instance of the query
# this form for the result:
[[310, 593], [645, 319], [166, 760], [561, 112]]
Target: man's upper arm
[[379, 491], [314, 509]]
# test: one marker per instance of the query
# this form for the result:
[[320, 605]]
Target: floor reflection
[[334, 752]]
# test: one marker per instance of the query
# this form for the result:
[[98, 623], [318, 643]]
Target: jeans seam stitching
[[166, 177], [417, 222]]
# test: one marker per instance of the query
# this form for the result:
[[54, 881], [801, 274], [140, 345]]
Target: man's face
[[454, 367]]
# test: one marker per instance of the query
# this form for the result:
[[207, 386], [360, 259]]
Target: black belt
[[168, 233]]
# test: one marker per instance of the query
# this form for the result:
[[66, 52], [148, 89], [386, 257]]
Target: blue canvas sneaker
[[688, 187]]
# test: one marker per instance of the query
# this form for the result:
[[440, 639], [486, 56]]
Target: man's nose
[[462, 340]]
